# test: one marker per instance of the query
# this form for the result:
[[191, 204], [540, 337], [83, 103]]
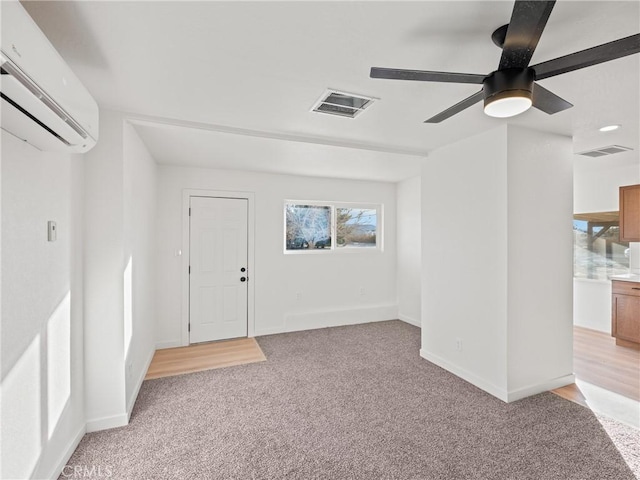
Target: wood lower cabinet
[[625, 319], [630, 213]]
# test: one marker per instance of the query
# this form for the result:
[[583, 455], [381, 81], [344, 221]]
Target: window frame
[[334, 206]]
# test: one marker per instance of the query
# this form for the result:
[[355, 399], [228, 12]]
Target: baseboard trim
[[143, 373], [104, 423], [465, 375], [71, 447], [314, 320], [504, 395], [171, 344], [409, 320], [552, 384]]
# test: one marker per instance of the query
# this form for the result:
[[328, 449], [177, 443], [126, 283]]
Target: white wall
[[497, 299], [540, 262], [592, 304], [597, 180], [119, 271], [140, 172], [104, 270], [409, 251], [596, 189], [464, 268], [293, 291], [42, 332]]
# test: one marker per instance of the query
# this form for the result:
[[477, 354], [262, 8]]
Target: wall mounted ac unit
[[43, 102]]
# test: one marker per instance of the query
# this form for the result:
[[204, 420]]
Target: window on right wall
[[598, 252], [356, 227]]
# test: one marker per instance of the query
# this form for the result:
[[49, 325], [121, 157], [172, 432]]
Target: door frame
[[187, 193]]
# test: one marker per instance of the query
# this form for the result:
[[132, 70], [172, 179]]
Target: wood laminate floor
[[599, 361], [204, 356]]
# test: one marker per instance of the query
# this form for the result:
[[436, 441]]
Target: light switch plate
[[52, 231]]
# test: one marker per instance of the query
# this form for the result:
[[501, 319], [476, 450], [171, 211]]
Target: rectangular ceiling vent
[[342, 104], [601, 152]]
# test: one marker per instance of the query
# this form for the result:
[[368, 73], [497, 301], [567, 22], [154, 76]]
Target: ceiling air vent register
[[342, 104], [601, 152]]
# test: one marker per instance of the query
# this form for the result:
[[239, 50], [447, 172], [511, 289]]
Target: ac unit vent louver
[[603, 151], [342, 104], [43, 102]]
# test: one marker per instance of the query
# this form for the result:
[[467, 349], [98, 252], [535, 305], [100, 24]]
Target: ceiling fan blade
[[590, 56], [547, 101], [525, 28], [425, 76], [457, 108]]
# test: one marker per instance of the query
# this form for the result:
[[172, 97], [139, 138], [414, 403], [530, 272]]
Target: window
[[331, 227], [598, 252], [307, 226], [356, 227]]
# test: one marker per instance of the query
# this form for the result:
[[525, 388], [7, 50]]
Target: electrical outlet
[[361, 291], [458, 344], [298, 295]]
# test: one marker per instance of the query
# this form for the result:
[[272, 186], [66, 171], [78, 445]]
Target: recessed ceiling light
[[609, 128]]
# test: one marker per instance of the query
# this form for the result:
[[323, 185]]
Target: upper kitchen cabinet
[[630, 213]]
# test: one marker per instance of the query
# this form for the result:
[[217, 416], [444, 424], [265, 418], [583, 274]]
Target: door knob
[[243, 279], [243, 269]]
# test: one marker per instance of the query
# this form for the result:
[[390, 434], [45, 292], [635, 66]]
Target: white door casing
[[218, 253]]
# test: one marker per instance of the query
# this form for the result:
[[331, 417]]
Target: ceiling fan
[[512, 88]]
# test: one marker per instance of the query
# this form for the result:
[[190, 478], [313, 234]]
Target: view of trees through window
[[308, 226], [598, 252], [312, 227], [356, 227]]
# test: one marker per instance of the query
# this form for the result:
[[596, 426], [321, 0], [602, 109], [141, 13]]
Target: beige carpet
[[204, 356], [351, 402]]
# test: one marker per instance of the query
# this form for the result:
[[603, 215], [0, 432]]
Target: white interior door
[[218, 269]]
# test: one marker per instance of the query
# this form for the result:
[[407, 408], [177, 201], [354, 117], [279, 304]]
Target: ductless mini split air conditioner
[[43, 102]]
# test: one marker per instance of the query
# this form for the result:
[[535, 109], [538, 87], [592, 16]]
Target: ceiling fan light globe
[[508, 92], [507, 106]]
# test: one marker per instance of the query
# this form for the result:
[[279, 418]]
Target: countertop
[[626, 277]]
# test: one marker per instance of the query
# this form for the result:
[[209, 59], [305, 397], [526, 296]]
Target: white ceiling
[[245, 74], [188, 146]]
